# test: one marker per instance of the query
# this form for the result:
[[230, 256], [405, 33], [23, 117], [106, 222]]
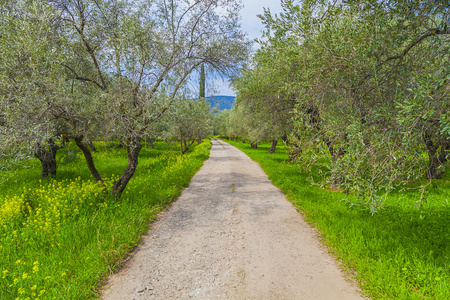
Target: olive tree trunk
[[294, 149], [294, 153], [133, 148], [91, 145], [274, 145], [437, 155], [186, 147], [83, 146], [335, 155], [47, 157]]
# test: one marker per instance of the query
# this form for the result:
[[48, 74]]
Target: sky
[[252, 25]]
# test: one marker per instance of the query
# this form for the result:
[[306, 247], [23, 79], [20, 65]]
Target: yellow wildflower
[[21, 291]]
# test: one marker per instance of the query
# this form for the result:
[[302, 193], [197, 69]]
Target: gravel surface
[[230, 235]]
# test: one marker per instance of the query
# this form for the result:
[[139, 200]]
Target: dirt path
[[230, 235]]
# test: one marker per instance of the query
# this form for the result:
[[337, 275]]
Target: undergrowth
[[60, 237], [401, 252]]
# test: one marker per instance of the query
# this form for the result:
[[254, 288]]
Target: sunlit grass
[[61, 236], [401, 252]]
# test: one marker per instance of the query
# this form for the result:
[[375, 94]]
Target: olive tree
[[220, 122], [355, 71], [32, 83], [155, 46], [188, 121], [118, 65], [261, 95]]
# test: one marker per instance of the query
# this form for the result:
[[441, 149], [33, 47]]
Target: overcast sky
[[252, 25]]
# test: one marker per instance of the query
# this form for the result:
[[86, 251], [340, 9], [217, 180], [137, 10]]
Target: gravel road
[[230, 235]]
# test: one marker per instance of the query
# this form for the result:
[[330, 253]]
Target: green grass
[[401, 252], [60, 237]]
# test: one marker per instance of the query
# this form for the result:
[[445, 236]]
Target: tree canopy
[[362, 83], [106, 68]]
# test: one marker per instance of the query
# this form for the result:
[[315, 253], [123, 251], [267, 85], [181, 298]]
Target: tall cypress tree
[[202, 81]]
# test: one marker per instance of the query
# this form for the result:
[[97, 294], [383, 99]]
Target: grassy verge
[[59, 240], [402, 252]]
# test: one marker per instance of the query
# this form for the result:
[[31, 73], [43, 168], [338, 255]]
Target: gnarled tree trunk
[[89, 160], [294, 150], [186, 146], [254, 145], [274, 145], [47, 157], [437, 155], [133, 148], [335, 155], [294, 153]]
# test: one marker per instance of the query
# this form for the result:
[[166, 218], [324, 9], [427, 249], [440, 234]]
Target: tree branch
[[431, 32], [77, 77]]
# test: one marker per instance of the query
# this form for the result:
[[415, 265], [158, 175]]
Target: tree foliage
[[106, 68], [188, 121], [202, 82], [361, 88]]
